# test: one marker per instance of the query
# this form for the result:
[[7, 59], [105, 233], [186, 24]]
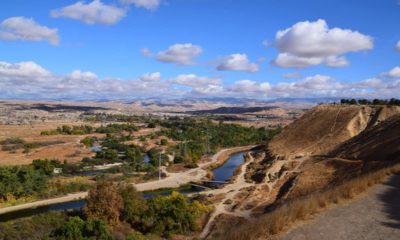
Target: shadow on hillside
[[391, 201]]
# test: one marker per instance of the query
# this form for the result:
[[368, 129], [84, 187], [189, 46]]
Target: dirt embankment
[[325, 127]]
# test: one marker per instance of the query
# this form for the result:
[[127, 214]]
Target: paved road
[[374, 216]]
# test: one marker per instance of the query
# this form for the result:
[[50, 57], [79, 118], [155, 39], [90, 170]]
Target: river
[[221, 174]]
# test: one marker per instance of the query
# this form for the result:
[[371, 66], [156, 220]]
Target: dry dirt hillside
[[326, 127], [326, 147], [365, 139], [378, 143]]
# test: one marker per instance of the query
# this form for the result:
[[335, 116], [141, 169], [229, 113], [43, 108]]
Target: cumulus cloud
[[20, 28], [22, 70], [370, 83], [286, 60], [192, 80], [292, 75], [180, 54], [151, 77], [250, 88], [334, 61], [238, 62], [199, 85], [30, 80], [393, 73], [398, 46], [148, 4], [91, 13], [312, 43]]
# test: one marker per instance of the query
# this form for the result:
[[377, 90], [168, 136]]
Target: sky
[[262, 49]]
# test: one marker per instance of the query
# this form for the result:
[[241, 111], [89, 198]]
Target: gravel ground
[[373, 216]]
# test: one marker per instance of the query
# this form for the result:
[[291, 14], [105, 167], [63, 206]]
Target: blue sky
[[95, 49]]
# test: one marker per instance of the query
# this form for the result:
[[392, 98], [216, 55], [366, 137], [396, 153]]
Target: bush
[[88, 141], [76, 228]]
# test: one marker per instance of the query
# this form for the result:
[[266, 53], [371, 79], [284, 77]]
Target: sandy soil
[[375, 215], [68, 149]]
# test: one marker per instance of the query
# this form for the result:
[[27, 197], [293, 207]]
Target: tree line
[[87, 129], [392, 101]]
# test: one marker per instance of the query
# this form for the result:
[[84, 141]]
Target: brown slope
[[326, 127], [378, 143]]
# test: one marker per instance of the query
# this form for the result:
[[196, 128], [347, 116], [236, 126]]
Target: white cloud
[[393, 73], [20, 28], [398, 46], [180, 54], [370, 82], [312, 43], [238, 62], [249, 87], [22, 70], [148, 4], [208, 90], [91, 13], [334, 61], [151, 77], [78, 75], [192, 80], [292, 75], [32, 81], [318, 82], [199, 85], [286, 60]]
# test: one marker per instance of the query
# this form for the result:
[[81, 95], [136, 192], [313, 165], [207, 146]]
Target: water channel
[[221, 174]]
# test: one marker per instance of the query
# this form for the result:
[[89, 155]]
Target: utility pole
[[159, 167], [208, 142]]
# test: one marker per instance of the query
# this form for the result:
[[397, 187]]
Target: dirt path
[[373, 216], [172, 181], [230, 191]]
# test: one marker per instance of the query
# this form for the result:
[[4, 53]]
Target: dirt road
[[373, 216]]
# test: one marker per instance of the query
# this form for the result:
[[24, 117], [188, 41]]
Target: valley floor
[[375, 215]]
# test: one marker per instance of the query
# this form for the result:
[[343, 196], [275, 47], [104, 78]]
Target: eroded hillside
[[324, 128], [326, 147]]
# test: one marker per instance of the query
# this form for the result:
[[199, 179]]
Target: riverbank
[[173, 180]]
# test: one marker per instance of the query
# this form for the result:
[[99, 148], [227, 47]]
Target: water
[[227, 170], [34, 211], [95, 149], [146, 158], [222, 173]]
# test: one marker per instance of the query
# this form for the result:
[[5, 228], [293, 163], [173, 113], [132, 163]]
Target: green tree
[[43, 165], [134, 204], [172, 214]]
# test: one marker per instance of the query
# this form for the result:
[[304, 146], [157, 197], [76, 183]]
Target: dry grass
[[284, 216]]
